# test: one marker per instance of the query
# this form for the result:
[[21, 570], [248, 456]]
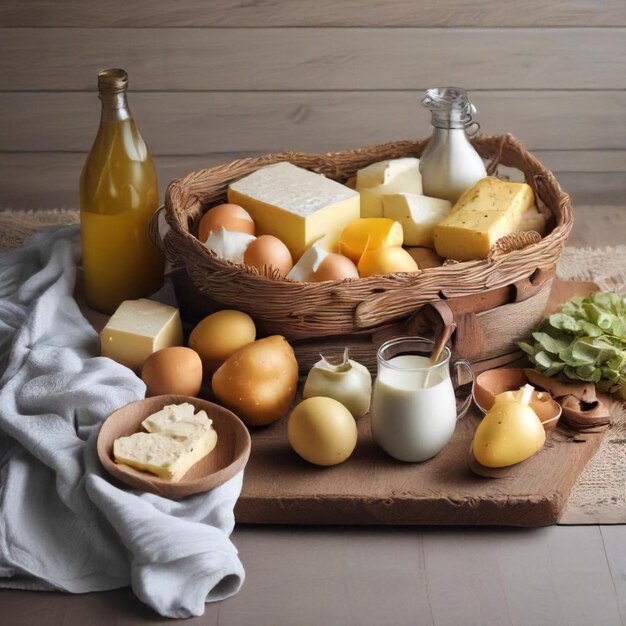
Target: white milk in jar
[[450, 165], [414, 411]]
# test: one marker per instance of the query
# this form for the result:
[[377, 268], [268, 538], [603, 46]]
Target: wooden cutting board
[[372, 488]]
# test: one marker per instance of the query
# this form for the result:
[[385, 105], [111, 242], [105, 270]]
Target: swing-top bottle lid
[[450, 107]]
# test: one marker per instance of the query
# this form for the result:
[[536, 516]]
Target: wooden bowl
[[229, 456], [490, 383]]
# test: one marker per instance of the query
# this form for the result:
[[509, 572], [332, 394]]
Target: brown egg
[[266, 253], [335, 267], [175, 370], [230, 216]]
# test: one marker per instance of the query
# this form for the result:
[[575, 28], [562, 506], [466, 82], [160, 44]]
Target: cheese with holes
[[177, 438], [137, 329], [417, 214], [295, 205], [386, 177], [489, 210]]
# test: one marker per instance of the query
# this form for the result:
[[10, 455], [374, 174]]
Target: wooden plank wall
[[212, 80]]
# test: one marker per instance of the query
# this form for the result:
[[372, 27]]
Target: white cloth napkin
[[63, 525]]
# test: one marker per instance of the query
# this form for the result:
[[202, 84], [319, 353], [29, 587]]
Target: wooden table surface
[[388, 576]]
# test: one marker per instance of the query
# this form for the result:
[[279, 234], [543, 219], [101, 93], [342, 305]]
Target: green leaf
[[561, 321], [589, 329], [585, 371], [592, 350], [543, 359], [553, 345], [610, 374], [527, 348], [568, 357], [554, 369], [570, 372]]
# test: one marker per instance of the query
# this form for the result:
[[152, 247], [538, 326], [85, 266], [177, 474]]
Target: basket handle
[[158, 228], [505, 141]]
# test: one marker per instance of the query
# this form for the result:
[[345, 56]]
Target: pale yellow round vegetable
[[219, 335], [322, 431], [386, 261], [510, 433]]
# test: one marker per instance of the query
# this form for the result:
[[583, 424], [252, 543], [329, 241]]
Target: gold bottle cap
[[112, 80]]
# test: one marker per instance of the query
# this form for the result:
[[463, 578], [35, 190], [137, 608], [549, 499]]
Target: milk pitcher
[[450, 165], [416, 403]]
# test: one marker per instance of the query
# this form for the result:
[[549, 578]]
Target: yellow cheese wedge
[[489, 210], [417, 214], [295, 205], [165, 456], [369, 234], [386, 177], [137, 329]]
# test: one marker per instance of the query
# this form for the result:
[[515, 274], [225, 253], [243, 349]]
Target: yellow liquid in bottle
[[118, 196]]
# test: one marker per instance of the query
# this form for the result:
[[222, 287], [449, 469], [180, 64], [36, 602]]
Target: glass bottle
[[118, 196], [450, 165]]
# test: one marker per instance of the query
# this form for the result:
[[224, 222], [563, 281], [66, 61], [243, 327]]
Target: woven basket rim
[[188, 182]]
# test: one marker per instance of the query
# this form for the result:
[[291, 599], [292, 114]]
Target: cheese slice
[[167, 457], [178, 421], [295, 205], [386, 177], [137, 329], [177, 438], [417, 214], [489, 210]]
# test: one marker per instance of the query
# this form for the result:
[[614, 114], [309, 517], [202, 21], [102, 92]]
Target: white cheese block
[[137, 329], [229, 245], [167, 457], [418, 216], [386, 177], [295, 205]]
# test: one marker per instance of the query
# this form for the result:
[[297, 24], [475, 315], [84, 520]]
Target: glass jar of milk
[[414, 406], [449, 164]]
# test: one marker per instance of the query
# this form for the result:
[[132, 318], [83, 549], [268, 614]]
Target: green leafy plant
[[584, 341]]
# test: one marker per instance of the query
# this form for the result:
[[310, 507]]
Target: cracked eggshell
[[229, 245]]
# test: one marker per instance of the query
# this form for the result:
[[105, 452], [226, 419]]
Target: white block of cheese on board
[[418, 216], [384, 178], [294, 204], [137, 329]]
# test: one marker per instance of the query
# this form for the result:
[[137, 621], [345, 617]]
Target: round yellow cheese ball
[[322, 431], [386, 261], [219, 335]]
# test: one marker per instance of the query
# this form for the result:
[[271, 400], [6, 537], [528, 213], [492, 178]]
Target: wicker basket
[[518, 268]]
